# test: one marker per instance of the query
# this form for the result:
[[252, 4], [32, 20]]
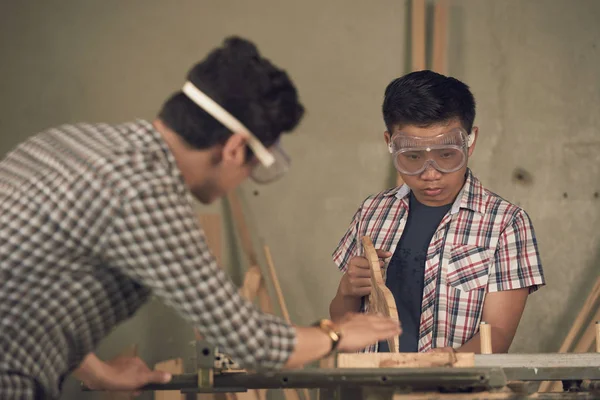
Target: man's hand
[[361, 330], [119, 374], [356, 282]]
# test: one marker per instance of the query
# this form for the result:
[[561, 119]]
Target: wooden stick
[[597, 336], [440, 26], [275, 281], [587, 339], [418, 35], [485, 338]]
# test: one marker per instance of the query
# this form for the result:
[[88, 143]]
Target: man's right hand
[[356, 282], [361, 330]]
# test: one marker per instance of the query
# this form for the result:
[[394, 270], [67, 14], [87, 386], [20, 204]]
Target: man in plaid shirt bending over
[[454, 253], [94, 218]]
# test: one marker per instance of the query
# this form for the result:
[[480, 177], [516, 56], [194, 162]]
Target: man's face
[[224, 177], [432, 187]]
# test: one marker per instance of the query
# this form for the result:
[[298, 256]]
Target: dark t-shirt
[[407, 268]]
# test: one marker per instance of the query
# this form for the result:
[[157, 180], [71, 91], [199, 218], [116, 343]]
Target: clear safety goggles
[[272, 163], [446, 152]]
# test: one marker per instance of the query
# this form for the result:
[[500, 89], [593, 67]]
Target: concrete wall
[[533, 66]]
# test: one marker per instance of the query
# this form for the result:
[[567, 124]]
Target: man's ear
[[234, 149], [474, 133], [387, 138]]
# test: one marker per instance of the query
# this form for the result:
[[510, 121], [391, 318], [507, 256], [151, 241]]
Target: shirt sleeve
[[157, 241], [516, 262], [347, 247]]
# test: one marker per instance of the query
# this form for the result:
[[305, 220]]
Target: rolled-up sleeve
[[155, 240]]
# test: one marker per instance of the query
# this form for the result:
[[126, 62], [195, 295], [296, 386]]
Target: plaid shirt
[[94, 219], [484, 244]]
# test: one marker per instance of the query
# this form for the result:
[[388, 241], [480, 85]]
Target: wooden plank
[[418, 35], [440, 42], [174, 366], [381, 300], [405, 360]]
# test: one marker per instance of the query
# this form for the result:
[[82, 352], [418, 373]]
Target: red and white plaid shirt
[[483, 244]]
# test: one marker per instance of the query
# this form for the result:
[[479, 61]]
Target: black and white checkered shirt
[[94, 219]]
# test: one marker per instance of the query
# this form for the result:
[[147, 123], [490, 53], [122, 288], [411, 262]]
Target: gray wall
[[533, 67]]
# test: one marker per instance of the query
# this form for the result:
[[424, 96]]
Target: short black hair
[[425, 98], [248, 86]]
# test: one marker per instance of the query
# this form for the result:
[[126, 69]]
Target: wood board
[[405, 360]]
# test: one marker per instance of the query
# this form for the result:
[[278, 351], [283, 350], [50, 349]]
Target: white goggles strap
[[229, 121]]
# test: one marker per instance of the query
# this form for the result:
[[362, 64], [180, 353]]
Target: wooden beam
[[418, 35], [440, 42]]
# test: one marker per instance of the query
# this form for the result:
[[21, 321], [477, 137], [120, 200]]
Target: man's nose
[[430, 173]]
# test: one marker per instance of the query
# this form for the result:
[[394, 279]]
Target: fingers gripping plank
[[381, 300]]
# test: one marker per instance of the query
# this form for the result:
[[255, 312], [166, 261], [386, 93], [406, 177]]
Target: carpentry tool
[[381, 300]]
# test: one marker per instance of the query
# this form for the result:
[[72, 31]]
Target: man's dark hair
[[426, 98], [245, 84]]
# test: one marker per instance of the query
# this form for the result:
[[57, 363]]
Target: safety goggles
[[273, 163], [446, 152]]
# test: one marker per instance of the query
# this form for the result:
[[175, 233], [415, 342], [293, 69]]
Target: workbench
[[494, 376]]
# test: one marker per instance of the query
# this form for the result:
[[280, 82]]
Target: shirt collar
[[471, 197]]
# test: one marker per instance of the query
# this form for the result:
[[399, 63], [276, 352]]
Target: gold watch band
[[331, 330]]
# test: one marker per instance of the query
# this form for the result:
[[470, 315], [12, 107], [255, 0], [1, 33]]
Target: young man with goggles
[[95, 218], [453, 253]]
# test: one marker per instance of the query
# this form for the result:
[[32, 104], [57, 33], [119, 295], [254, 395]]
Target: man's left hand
[[124, 373]]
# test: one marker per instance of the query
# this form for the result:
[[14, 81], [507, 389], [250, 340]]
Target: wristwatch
[[331, 330]]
